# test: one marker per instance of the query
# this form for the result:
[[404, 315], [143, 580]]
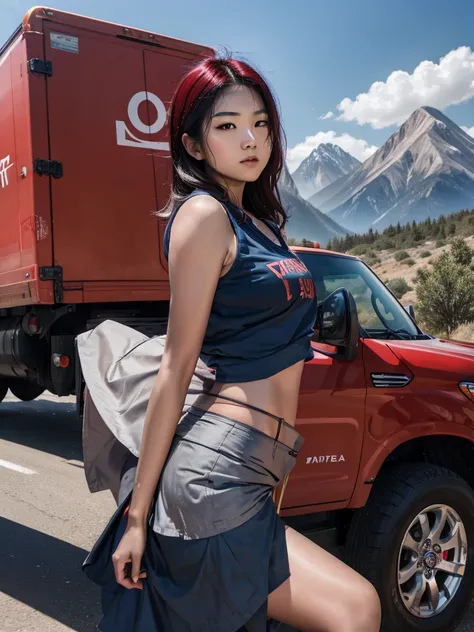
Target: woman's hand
[[128, 557]]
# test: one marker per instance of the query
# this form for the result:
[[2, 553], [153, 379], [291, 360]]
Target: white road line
[[15, 467]]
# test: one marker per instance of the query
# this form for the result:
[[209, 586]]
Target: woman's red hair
[[190, 113]]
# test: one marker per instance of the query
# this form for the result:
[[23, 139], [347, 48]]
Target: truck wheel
[[3, 390], [414, 540], [26, 391]]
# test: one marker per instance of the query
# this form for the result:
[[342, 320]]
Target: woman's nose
[[248, 139]]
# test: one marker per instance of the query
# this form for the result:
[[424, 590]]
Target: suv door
[[331, 409]]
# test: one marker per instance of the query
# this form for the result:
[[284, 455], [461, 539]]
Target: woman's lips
[[250, 161]]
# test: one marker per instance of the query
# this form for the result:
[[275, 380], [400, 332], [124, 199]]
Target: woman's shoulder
[[200, 213], [199, 205]]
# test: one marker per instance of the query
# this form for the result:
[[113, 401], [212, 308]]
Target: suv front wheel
[[414, 541]]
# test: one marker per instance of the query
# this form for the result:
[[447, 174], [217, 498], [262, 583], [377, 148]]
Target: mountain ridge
[[425, 169], [325, 164], [305, 221]]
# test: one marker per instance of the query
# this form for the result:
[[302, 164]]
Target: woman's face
[[237, 131]]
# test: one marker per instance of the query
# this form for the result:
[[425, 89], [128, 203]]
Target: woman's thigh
[[323, 594]]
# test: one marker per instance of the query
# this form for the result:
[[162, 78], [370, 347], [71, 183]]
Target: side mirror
[[337, 323], [411, 310]]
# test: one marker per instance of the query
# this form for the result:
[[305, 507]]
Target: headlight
[[468, 389]]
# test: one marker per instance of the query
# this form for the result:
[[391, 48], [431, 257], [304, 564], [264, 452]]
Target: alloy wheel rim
[[432, 560]]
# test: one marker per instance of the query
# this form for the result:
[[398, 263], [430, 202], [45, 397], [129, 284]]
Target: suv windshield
[[380, 314]]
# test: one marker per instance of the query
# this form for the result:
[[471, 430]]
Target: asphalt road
[[49, 520]]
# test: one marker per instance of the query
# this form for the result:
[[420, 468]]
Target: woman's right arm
[[200, 239]]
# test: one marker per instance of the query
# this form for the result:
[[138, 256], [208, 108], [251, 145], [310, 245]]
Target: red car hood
[[436, 355]]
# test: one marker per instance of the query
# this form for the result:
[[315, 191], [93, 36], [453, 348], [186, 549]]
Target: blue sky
[[377, 61]]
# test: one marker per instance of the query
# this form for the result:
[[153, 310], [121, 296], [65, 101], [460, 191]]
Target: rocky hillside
[[386, 266]]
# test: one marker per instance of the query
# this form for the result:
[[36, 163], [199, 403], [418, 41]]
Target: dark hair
[[191, 112]]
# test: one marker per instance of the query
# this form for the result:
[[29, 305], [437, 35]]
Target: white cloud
[[328, 115], [391, 102], [468, 130], [357, 147]]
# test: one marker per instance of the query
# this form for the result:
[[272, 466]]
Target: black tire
[[3, 390], [376, 534], [26, 391]]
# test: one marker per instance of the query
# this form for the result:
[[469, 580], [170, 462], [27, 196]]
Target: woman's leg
[[323, 594]]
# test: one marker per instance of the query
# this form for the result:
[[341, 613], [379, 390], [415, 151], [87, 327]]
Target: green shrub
[[398, 286], [424, 254], [359, 250], [461, 252], [385, 244], [401, 254], [421, 275], [440, 243], [409, 262], [446, 295], [372, 260]]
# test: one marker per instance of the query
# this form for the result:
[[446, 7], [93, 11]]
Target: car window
[[378, 310]]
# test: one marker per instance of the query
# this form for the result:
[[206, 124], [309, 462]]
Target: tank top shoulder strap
[[235, 215]]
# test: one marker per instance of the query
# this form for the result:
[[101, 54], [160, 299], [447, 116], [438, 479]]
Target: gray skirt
[[216, 547], [219, 474]]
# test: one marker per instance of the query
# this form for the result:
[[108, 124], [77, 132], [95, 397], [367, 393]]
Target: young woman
[[202, 539]]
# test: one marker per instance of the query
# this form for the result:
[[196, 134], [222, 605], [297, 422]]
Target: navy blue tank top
[[264, 307]]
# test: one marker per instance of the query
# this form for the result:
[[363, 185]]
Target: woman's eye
[[227, 126]]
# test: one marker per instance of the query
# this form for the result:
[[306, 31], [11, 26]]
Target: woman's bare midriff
[[277, 395]]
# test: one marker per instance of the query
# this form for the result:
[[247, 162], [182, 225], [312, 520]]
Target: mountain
[[325, 164], [425, 169], [305, 221]]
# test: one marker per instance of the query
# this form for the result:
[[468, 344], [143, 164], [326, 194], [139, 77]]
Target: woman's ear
[[192, 147]]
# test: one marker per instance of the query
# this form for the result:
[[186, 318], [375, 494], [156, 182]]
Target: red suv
[[386, 471]]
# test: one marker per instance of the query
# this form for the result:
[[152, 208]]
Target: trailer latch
[[40, 66], [55, 274], [52, 168]]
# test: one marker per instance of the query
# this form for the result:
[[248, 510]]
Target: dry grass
[[464, 333]]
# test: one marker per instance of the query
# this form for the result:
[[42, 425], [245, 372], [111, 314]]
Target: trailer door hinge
[[40, 66], [52, 168], [55, 274]]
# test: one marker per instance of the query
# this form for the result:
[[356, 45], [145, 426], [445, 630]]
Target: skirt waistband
[[212, 428], [282, 423]]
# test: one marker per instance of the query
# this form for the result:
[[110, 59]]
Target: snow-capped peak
[[325, 164]]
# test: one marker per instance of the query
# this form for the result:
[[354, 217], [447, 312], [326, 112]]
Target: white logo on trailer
[[125, 137], [4, 167]]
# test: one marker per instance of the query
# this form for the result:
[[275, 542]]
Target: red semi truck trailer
[[387, 411]]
